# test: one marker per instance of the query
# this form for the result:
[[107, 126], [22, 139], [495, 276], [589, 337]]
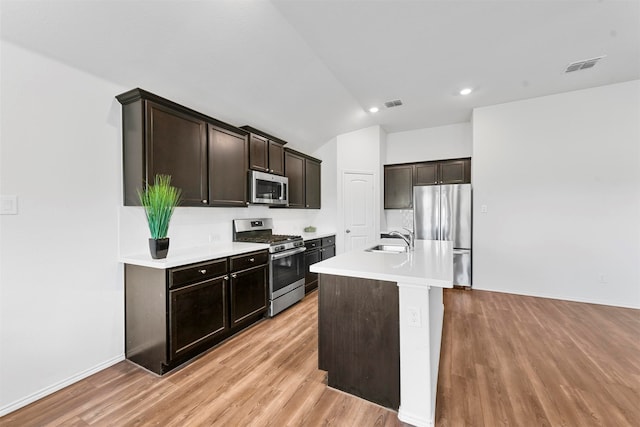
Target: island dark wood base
[[359, 337]]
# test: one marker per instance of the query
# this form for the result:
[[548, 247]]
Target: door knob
[[348, 231]]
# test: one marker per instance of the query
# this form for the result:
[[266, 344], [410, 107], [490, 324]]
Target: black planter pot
[[159, 248]]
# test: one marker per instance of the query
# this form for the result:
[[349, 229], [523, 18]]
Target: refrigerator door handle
[[461, 251], [438, 212]]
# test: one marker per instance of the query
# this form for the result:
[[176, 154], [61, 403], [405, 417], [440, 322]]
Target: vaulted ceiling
[[309, 70]]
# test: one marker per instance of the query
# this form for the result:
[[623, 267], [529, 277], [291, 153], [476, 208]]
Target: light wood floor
[[524, 361], [506, 360]]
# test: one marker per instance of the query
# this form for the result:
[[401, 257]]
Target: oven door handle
[[288, 253]]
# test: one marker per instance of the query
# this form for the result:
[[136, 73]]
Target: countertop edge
[[182, 257], [400, 280], [313, 236]]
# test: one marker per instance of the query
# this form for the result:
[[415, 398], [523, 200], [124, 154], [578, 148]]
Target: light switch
[[483, 208], [8, 205]]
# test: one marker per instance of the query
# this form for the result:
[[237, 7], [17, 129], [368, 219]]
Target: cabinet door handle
[[226, 277], [252, 259], [205, 201], [203, 271], [347, 231], [234, 275]]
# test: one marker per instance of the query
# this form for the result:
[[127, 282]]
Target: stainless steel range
[[286, 255]]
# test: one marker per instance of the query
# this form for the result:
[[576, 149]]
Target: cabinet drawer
[[312, 244], [328, 241], [241, 262], [197, 272]]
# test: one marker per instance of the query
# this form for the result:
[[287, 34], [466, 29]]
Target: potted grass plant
[[159, 200]]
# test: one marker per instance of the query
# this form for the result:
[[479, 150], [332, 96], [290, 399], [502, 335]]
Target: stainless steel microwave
[[268, 189]]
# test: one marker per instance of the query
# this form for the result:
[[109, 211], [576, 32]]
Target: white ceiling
[[308, 70]]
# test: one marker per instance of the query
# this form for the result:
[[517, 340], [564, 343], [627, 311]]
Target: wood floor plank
[[506, 360], [538, 362]]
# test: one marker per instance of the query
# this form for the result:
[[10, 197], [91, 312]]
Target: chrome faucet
[[410, 240]]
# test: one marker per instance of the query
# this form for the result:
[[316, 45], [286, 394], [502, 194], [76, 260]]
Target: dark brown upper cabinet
[[304, 173], [276, 158], [400, 179], [398, 186], [266, 152], [455, 171], [312, 184], [159, 139], [294, 170], [426, 173], [162, 137], [228, 154]]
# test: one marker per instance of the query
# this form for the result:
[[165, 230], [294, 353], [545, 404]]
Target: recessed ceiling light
[[373, 109], [466, 91]]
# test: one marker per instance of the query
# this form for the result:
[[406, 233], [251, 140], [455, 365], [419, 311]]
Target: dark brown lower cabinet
[[310, 278], [359, 337], [248, 294], [327, 252], [317, 250], [197, 314], [175, 314]]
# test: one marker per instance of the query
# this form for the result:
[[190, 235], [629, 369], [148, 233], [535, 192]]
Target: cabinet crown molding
[[298, 153], [137, 94], [264, 134]]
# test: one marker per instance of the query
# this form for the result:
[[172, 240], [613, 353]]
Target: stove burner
[[260, 230], [272, 239]]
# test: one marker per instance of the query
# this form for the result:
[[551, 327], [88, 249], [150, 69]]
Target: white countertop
[[317, 235], [178, 257], [430, 264]]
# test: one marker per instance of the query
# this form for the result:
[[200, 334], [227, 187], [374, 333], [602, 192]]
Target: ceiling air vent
[[394, 103], [583, 65]]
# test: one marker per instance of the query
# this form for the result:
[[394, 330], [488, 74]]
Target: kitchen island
[[380, 325]]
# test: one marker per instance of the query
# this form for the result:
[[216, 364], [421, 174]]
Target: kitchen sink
[[394, 249]]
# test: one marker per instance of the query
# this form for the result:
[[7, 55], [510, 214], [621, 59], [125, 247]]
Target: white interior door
[[359, 211]]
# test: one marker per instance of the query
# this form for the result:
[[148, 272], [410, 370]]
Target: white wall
[[326, 220], [61, 302], [436, 143], [61, 286], [560, 177], [359, 151]]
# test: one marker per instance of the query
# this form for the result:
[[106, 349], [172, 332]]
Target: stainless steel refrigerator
[[443, 212]]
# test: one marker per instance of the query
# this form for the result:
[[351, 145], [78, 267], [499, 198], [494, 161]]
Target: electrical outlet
[[483, 208], [414, 318]]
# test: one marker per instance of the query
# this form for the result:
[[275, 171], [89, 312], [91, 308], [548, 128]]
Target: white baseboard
[[561, 298], [413, 420], [58, 386]]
